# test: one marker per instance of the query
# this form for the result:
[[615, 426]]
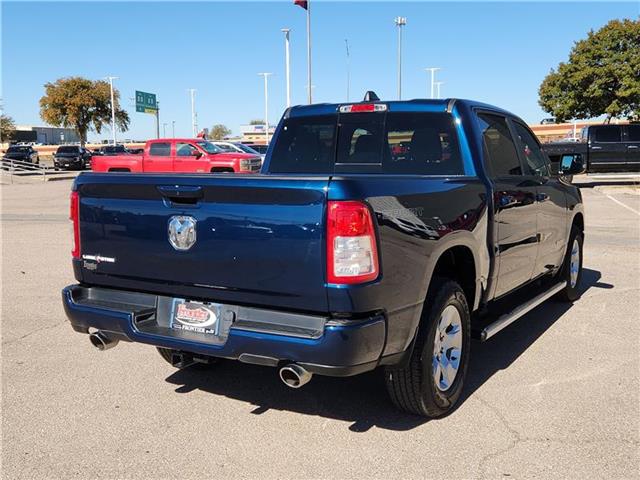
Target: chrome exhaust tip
[[101, 341], [294, 376]]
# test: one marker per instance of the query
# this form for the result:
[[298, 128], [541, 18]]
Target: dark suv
[[71, 157], [22, 154]]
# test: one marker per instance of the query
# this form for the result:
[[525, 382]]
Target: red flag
[[301, 3]]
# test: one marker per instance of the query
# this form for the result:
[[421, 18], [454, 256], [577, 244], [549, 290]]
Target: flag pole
[[309, 97]]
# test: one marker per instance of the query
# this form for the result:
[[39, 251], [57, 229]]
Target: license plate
[[195, 317]]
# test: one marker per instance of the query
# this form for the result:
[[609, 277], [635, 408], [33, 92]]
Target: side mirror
[[196, 153], [571, 165]]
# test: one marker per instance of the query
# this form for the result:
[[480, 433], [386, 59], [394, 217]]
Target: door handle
[[629, 147], [596, 148], [177, 192]]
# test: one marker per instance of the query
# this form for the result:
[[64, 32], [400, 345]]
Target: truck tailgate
[[259, 240]]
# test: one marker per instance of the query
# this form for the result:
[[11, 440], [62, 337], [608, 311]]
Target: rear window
[[395, 142]]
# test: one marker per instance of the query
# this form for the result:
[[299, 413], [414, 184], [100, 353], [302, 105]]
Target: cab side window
[[160, 149], [607, 134], [499, 150], [535, 160], [633, 133]]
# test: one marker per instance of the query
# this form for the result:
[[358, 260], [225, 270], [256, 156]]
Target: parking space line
[[623, 204]]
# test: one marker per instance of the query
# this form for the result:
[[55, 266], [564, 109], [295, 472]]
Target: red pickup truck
[[179, 155]]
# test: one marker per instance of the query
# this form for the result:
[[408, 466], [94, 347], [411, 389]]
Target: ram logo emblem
[[182, 232]]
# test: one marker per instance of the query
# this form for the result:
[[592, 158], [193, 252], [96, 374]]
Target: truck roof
[[417, 105]]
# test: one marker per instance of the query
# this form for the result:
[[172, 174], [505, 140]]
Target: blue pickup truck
[[379, 234]]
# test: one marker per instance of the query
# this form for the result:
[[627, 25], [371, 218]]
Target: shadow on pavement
[[362, 400]]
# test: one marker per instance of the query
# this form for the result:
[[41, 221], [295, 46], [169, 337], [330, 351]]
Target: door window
[[535, 161], [500, 151], [607, 134], [160, 149], [185, 149], [633, 132]]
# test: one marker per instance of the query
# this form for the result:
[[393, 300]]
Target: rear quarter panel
[[418, 218]]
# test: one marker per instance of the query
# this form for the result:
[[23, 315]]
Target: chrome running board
[[508, 318]]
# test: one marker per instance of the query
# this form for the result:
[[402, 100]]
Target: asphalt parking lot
[[556, 395]]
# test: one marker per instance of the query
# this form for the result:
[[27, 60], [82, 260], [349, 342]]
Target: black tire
[[413, 388], [166, 354], [572, 291]]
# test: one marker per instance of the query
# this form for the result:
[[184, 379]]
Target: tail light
[[74, 216], [352, 254]]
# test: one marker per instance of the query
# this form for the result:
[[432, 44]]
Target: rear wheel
[[432, 381], [571, 271]]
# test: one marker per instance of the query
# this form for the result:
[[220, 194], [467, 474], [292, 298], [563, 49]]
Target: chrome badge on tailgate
[[182, 232]]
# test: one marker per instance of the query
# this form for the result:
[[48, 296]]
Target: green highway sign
[[146, 102]]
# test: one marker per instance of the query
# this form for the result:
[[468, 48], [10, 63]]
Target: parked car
[[602, 149], [179, 155], [22, 154], [111, 150], [261, 149], [71, 157], [547, 121], [237, 147], [344, 256]]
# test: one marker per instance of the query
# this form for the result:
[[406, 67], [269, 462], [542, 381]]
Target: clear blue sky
[[494, 52]]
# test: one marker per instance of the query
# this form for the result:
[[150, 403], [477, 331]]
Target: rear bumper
[[322, 345]]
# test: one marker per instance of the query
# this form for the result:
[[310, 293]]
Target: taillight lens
[[74, 216], [352, 254]]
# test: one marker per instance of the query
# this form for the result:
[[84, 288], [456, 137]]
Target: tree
[[601, 77], [81, 104], [256, 122], [218, 132], [7, 128]]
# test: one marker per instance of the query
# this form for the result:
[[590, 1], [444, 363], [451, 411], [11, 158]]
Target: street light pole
[[113, 110], [266, 103], [400, 22], [194, 127], [433, 71], [438, 88], [287, 66], [164, 130], [173, 129]]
